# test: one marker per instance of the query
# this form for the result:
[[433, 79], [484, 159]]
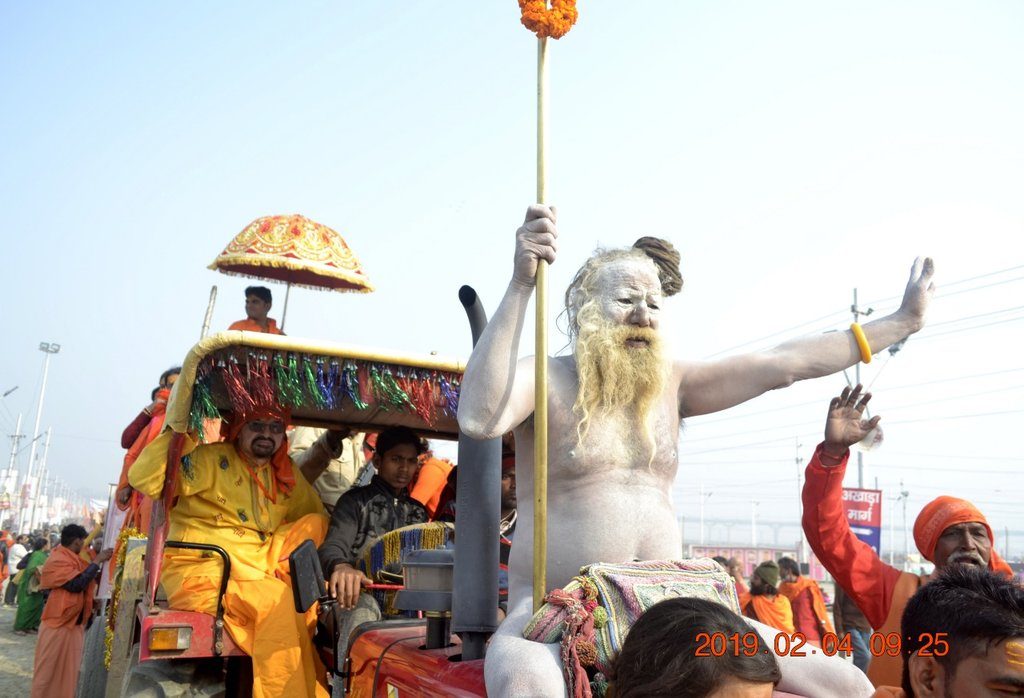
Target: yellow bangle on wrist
[[862, 342]]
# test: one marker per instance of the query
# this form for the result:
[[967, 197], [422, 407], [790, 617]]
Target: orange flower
[[555, 21]]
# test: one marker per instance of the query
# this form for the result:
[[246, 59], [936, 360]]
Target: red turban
[[284, 473], [508, 463], [943, 512]]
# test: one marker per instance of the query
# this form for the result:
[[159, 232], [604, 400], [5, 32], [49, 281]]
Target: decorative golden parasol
[[295, 250]]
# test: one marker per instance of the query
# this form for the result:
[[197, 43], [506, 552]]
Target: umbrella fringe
[[361, 284]]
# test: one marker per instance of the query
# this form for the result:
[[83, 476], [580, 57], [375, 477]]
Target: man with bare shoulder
[[615, 406]]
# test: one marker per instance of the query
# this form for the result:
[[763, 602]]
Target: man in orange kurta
[[243, 495], [764, 603], [948, 531], [810, 617], [72, 584], [258, 301]]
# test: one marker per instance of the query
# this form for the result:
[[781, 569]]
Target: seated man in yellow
[[243, 496]]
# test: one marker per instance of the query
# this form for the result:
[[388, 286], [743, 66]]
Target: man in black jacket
[[365, 513]]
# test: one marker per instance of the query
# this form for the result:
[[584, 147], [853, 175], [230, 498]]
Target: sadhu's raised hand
[[846, 425], [919, 291]]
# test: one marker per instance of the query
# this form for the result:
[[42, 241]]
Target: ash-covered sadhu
[[614, 410]]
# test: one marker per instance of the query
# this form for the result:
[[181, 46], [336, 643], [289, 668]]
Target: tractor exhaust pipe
[[475, 587]]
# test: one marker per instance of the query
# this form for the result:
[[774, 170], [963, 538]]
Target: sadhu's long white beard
[[615, 378]]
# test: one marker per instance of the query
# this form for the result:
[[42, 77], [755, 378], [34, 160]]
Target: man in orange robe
[[72, 584], [810, 617], [948, 531], [258, 301], [764, 603], [243, 496]]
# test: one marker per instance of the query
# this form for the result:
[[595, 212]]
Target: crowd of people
[[615, 405]]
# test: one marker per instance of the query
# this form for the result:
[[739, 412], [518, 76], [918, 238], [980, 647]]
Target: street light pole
[[40, 474], [48, 348]]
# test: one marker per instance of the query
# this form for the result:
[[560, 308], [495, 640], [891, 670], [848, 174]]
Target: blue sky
[[792, 151]]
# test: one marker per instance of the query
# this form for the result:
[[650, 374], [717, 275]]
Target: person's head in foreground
[[952, 531], [963, 636], [73, 537], [789, 569], [659, 657], [613, 307], [508, 481], [169, 377], [765, 579], [397, 456]]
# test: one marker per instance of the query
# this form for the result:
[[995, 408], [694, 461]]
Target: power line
[[967, 329], [978, 288], [888, 410], [955, 416], [877, 302], [972, 317], [961, 281], [776, 334], [957, 456], [772, 410]]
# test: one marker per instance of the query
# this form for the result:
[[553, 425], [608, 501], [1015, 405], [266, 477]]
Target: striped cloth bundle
[[592, 614]]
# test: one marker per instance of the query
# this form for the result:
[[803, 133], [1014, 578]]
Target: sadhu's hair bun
[[666, 258]]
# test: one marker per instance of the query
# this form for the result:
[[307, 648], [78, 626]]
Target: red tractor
[[159, 651]]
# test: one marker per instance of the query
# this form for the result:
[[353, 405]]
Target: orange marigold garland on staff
[[543, 21]]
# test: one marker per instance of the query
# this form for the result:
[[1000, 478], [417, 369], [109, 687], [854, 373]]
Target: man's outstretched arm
[[497, 389], [710, 387]]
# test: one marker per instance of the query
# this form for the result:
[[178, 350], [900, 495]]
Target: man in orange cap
[[243, 496], [948, 531]]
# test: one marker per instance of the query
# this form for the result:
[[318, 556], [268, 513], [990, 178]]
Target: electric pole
[[905, 495], [11, 476], [800, 556], [753, 523], [857, 312], [703, 498]]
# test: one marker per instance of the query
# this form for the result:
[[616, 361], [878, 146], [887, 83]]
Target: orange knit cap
[[943, 512]]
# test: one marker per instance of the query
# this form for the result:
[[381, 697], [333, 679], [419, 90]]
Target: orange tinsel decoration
[[555, 21]]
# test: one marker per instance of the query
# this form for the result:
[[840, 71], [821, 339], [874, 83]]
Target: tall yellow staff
[[544, 21]]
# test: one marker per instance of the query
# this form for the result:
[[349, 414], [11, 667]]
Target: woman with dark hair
[[663, 656], [30, 597]]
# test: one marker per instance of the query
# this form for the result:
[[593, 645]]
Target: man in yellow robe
[[243, 495]]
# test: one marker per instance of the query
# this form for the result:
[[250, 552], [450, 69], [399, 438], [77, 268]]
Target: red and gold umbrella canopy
[[295, 250]]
